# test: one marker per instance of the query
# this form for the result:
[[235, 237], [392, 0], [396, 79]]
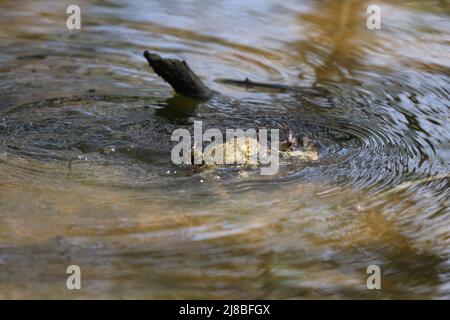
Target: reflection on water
[[86, 176]]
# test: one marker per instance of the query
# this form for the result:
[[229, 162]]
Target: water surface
[[86, 176]]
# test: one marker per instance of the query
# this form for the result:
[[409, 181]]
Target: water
[[86, 176]]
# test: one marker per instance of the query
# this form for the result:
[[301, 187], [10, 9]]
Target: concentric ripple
[[86, 176]]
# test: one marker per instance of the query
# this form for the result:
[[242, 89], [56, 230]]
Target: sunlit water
[[86, 176]]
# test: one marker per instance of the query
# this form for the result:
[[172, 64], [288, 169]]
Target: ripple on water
[[86, 176]]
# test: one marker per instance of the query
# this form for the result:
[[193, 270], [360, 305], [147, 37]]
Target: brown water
[[86, 176]]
